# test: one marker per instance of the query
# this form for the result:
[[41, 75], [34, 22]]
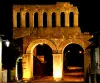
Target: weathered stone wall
[[57, 37], [57, 9]]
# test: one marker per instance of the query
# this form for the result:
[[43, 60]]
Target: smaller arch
[[34, 43], [16, 77], [53, 19], [67, 42], [62, 19], [71, 17], [35, 19], [74, 54], [27, 19], [44, 19], [18, 20]]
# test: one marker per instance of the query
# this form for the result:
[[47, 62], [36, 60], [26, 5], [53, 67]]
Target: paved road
[[44, 82], [47, 82]]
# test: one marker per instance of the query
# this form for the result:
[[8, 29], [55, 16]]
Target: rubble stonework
[[56, 37]]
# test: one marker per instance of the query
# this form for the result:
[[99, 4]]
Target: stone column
[[67, 19], [23, 20], [57, 66], [31, 64], [49, 20], [31, 19], [58, 19], [40, 19], [14, 18], [27, 64], [75, 19]]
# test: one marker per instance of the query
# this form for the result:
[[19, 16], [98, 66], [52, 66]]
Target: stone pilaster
[[57, 19], [14, 19], [31, 19], [27, 64], [67, 19], [57, 69], [76, 19], [23, 20], [40, 19], [49, 19]]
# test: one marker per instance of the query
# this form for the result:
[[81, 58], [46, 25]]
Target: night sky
[[88, 18]]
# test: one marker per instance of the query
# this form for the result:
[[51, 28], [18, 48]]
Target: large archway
[[34, 43], [69, 75], [73, 62], [42, 61], [73, 55], [28, 68]]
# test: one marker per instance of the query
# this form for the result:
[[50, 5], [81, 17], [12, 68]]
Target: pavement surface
[[47, 81]]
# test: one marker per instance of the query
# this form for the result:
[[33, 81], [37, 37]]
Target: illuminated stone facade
[[57, 37]]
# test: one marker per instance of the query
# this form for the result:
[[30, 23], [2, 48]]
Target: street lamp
[[7, 43]]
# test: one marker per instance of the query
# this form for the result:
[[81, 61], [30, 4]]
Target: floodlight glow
[[57, 67]]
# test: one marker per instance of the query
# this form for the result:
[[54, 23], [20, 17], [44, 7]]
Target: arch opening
[[62, 19], [44, 19], [53, 19], [19, 69], [71, 19], [27, 19], [43, 61], [73, 63], [35, 19], [18, 20], [74, 55]]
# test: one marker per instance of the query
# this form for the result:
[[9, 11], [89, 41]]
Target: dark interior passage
[[43, 68], [20, 69], [73, 56]]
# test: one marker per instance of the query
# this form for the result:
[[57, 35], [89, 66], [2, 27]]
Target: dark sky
[[88, 13]]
